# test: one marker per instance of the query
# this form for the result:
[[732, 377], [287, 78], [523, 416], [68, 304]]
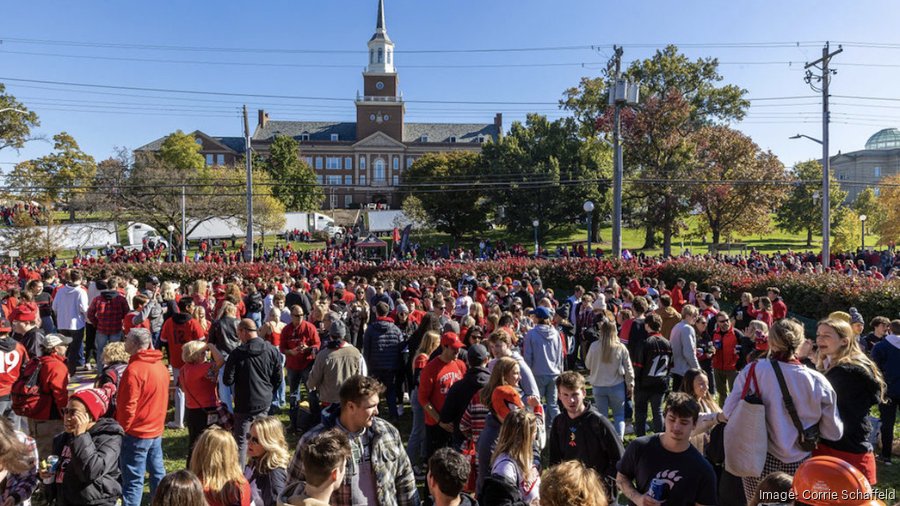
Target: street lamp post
[[589, 209], [826, 204], [170, 228], [862, 220], [536, 224]]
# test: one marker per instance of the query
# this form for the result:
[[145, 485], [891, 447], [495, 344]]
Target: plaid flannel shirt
[[107, 314], [394, 480]]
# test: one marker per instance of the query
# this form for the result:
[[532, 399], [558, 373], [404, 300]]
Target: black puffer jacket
[[381, 345], [91, 475], [254, 368], [223, 334]]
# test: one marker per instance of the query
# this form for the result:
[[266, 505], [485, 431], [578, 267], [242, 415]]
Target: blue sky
[[100, 121]]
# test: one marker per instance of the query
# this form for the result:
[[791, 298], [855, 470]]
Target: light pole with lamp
[[862, 220], [826, 203], [536, 224], [170, 228], [589, 209]]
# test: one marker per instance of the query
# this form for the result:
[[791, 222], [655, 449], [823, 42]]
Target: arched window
[[371, 56], [379, 171], [380, 55]]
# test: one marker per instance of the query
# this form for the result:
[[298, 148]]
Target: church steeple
[[381, 49]]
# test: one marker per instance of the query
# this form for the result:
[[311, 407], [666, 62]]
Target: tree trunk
[[649, 237], [667, 239], [808, 237], [716, 233], [71, 213]]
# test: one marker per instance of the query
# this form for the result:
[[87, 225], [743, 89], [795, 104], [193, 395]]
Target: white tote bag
[[746, 438]]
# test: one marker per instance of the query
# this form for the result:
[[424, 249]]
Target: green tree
[[702, 100], [297, 186], [58, 177], [552, 171], [867, 203], [888, 227], [847, 231], [180, 151], [268, 211], [15, 127], [724, 155], [431, 184], [801, 211]]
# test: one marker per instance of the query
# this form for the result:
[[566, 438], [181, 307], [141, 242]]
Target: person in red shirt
[[141, 406], [434, 382], [728, 341], [53, 379], [299, 343], [779, 308], [13, 357], [181, 328], [199, 378], [678, 300]]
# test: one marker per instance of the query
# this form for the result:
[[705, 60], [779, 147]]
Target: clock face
[[387, 117], [371, 117], [379, 85]]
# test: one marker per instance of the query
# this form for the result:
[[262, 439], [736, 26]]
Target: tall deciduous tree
[[180, 151], [867, 203], [15, 126], [268, 211], [552, 170], [743, 183], [432, 188], [847, 231], [296, 186], [58, 177], [801, 211], [888, 228], [667, 73]]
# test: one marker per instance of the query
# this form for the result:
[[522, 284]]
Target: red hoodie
[[177, 330], [54, 382], [143, 396]]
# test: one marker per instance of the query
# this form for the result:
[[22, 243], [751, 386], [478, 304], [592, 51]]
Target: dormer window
[[380, 55], [199, 141], [452, 138], [423, 138], [304, 136], [335, 137], [480, 139]]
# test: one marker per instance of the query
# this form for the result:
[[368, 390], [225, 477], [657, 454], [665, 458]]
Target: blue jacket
[[543, 351], [887, 355], [381, 345]]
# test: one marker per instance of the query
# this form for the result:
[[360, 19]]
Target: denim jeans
[[641, 398], [612, 397], [294, 378], [279, 398], [256, 317], [389, 380], [139, 455], [178, 418], [547, 389], [241, 430], [101, 341], [18, 423], [75, 351], [415, 448]]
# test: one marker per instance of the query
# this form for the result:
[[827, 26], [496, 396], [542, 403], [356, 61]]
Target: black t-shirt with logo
[[688, 477]]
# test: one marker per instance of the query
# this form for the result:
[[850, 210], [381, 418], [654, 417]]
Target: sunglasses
[[254, 439]]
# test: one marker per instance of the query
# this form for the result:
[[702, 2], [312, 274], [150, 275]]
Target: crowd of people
[[518, 394]]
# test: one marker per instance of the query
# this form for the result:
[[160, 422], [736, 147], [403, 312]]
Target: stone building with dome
[[362, 162], [865, 168]]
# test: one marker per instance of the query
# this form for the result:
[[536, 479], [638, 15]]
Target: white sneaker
[[405, 400], [629, 428], [174, 426]]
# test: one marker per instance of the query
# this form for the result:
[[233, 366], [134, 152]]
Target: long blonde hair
[[429, 343], [502, 368], [849, 354], [609, 341], [215, 462], [517, 440], [15, 456], [270, 432]]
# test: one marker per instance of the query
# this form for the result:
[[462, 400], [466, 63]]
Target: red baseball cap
[[451, 339], [23, 313]]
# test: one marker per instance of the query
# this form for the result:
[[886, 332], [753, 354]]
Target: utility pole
[[824, 79], [248, 243], [621, 93], [183, 229], [617, 159]]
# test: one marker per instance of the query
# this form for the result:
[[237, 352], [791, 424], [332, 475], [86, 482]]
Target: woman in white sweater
[[814, 399], [611, 374]]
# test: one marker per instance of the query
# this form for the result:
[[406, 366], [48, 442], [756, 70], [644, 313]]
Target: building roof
[[889, 138], [236, 144], [317, 130], [412, 132]]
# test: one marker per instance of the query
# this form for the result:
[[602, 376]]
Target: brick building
[[359, 162]]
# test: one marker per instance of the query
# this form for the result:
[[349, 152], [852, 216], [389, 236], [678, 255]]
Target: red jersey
[[435, 381], [12, 357]]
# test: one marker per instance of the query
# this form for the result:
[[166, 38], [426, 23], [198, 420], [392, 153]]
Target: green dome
[[889, 138]]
